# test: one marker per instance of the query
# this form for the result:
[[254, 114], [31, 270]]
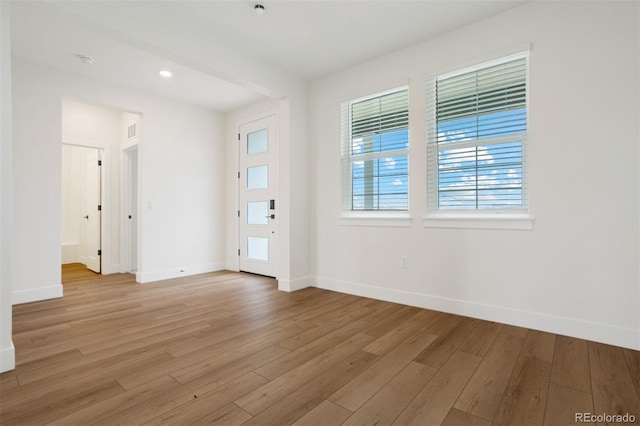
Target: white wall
[[181, 165], [576, 272], [7, 350], [71, 203]]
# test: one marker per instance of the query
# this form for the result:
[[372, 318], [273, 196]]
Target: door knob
[[87, 217], [271, 216]]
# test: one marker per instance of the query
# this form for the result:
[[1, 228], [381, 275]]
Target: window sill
[[478, 221], [402, 220]]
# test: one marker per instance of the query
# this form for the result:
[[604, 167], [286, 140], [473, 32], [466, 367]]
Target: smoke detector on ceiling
[[259, 9], [85, 59]]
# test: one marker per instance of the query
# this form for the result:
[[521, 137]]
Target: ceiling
[[223, 55]]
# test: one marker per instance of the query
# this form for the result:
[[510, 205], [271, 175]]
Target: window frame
[[373, 217], [483, 218]]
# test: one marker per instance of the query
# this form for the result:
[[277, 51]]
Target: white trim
[[8, 358], [488, 56], [167, 274], [295, 284], [523, 53], [390, 219], [478, 221], [70, 252], [114, 268], [36, 294], [404, 86], [583, 329]]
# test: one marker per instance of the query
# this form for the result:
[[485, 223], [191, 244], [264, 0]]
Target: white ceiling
[[222, 54]]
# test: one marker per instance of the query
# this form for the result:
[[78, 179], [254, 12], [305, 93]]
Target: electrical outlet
[[404, 262]]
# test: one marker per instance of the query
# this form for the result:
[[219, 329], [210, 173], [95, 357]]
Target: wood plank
[[355, 393], [437, 354], [327, 413], [612, 386], [392, 321], [267, 395], [8, 381], [525, 398], [388, 403], [393, 337], [481, 397], [298, 357], [107, 408], [481, 339], [47, 411], [633, 362], [514, 331], [540, 345], [433, 402], [198, 363], [65, 384], [229, 415], [571, 364], [175, 397], [458, 418], [564, 403], [204, 404], [304, 399]]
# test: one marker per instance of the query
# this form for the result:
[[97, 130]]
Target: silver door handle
[[271, 216]]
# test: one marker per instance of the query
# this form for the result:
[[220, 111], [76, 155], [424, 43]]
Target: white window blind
[[375, 142], [477, 137]]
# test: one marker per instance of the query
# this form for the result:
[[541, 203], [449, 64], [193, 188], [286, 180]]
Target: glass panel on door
[[257, 212], [257, 177], [257, 142], [258, 248]]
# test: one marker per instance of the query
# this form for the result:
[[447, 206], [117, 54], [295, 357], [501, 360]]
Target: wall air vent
[[131, 131]]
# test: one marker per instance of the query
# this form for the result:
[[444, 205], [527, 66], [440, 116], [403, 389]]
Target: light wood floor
[[229, 348]]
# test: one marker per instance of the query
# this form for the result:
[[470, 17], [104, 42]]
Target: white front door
[[258, 210], [92, 210]]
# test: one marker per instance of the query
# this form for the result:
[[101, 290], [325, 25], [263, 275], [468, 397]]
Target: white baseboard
[[36, 294], [7, 358], [598, 332], [70, 253], [295, 284], [167, 274], [111, 269]]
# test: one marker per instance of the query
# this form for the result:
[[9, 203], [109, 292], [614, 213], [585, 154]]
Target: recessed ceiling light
[[259, 9], [85, 59], [165, 73]]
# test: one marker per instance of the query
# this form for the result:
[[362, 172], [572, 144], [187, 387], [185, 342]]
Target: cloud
[[390, 163], [357, 145]]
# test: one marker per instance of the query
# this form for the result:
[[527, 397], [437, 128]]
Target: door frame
[[233, 239], [126, 230]]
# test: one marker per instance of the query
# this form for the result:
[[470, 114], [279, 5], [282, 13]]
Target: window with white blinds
[[375, 142], [477, 137]]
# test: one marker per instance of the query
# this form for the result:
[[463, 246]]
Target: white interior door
[[258, 210], [92, 208], [130, 209]]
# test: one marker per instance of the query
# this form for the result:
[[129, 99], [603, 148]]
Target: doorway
[[258, 197], [82, 206]]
